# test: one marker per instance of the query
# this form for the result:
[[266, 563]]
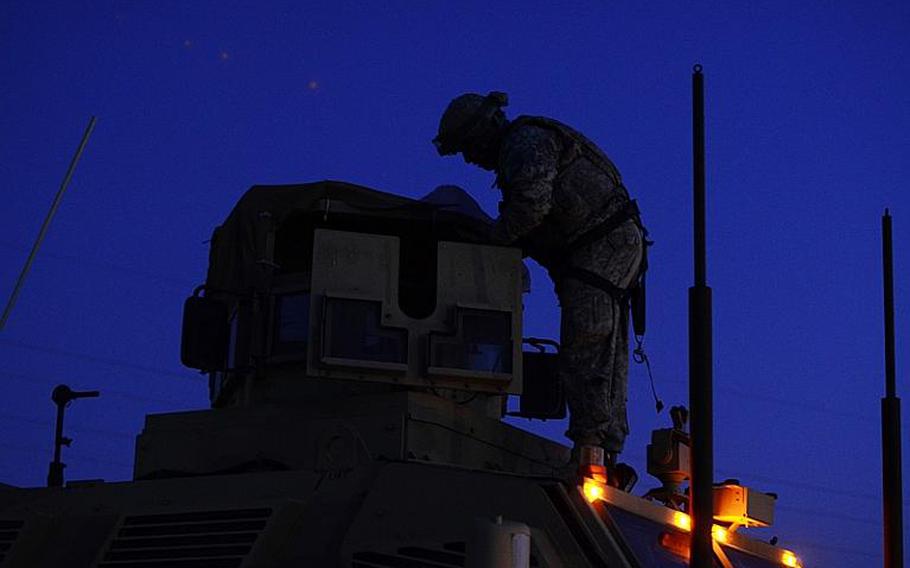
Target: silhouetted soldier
[[565, 204]]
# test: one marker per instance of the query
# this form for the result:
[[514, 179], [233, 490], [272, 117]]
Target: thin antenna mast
[[701, 398], [891, 421], [47, 222]]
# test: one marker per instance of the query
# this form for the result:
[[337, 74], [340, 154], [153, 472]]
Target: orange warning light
[[789, 559], [719, 533], [593, 491], [675, 542], [682, 520]]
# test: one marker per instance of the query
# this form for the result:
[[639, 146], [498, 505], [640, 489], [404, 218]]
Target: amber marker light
[[593, 491], [789, 559], [682, 521], [719, 533], [675, 542]]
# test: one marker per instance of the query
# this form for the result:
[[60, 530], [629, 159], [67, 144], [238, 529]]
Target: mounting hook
[[62, 396]]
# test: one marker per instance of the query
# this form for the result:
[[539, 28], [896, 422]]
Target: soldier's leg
[[594, 358], [587, 353], [618, 261], [618, 425]]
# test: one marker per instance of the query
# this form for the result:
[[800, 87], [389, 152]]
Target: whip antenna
[[47, 222], [892, 510]]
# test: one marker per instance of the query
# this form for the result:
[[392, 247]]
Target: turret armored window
[[353, 336], [482, 343], [292, 324], [653, 543], [741, 559]]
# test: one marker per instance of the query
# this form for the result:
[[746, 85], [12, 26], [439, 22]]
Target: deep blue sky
[[808, 135]]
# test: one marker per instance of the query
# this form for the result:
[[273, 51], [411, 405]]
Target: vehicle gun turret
[[360, 348]]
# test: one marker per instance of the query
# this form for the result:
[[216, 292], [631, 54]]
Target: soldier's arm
[[528, 169]]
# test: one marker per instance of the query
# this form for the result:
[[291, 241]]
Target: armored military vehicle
[[360, 348]]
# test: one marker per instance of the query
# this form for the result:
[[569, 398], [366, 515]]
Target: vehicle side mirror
[[206, 333]]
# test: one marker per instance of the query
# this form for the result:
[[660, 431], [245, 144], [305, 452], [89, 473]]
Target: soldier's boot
[[591, 462], [585, 461], [619, 475], [622, 476]]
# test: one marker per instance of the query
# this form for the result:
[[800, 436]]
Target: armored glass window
[[643, 536], [292, 324], [482, 342], [352, 333], [743, 560]]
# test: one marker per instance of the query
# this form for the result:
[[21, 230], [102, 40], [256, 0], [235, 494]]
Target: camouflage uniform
[[557, 186], [564, 203]]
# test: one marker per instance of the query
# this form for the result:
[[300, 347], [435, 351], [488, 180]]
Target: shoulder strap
[[576, 145]]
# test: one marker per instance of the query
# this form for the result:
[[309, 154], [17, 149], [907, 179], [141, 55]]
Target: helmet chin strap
[[485, 150], [493, 139]]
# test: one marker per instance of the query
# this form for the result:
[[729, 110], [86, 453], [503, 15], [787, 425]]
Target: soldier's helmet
[[463, 116]]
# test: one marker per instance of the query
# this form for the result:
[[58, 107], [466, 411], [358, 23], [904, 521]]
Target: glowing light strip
[[594, 491]]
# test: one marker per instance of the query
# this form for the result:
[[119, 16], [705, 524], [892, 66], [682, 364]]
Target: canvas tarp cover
[[235, 244]]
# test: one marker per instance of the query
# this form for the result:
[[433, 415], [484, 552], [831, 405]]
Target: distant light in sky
[[313, 85], [224, 55], [187, 43]]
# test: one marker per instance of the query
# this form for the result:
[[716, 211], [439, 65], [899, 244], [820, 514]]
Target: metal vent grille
[[9, 530], [449, 555], [201, 539]]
